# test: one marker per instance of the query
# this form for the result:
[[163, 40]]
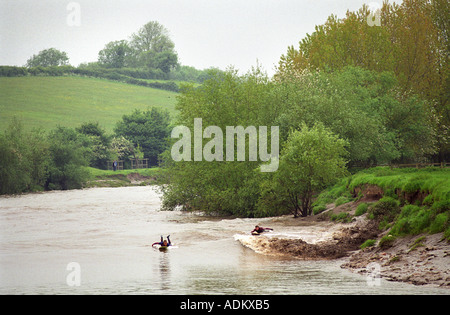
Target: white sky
[[206, 33]]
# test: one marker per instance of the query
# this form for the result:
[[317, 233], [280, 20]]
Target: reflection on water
[[164, 271], [109, 232]]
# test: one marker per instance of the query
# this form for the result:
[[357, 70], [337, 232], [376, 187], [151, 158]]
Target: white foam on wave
[[261, 243]]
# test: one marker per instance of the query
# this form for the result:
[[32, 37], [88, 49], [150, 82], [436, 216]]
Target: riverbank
[[123, 178], [420, 259]]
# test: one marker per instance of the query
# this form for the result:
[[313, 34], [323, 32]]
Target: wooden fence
[[139, 163], [109, 165], [419, 165]]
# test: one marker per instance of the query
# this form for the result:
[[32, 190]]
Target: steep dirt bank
[[348, 238], [420, 259]]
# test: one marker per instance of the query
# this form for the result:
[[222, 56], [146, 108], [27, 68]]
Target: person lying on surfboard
[[260, 229], [164, 242]]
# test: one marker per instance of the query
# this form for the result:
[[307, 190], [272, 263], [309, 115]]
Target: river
[[98, 241]]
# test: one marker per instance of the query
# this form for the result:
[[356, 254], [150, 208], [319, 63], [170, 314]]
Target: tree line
[[351, 96], [412, 42], [36, 160], [328, 122], [149, 54]]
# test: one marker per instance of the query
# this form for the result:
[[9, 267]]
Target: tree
[[116, 54], [97, 143], [148, 129], [67, 156], [48, 57], [166, 61], [24, 159], [311, 159], [221, 187], [412, 42], [149, 42]]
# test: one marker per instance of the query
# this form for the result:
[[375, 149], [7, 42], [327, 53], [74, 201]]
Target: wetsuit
[[169, 243], [261, 229]]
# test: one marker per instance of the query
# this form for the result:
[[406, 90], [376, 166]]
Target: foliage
[[98, 143], [385, 208], [115, 54], [416, 53], [360, 106], [311, 160], [368, 243], [225, 99], [67, 155], [48, 57], [361, 209], [32, 160], [24, 159], [387, 241], [149, 129]]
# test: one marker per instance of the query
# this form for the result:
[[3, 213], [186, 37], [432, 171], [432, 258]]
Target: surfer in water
[[165, 243], [260, 229]]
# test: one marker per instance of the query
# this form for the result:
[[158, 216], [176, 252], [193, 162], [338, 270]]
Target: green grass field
[[45, 102]]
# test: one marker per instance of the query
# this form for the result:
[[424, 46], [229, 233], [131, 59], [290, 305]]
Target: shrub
[[440, 223], [386, 242], [341, 217], [319, 208], [386, 207], [441, 206], [341, 200], [361, 209], [368, 243]]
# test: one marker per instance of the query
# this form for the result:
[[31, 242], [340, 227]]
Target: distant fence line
[[135, 163], [418, 165], [109, 165]]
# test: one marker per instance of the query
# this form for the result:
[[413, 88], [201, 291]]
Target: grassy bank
[[120, 178], [405, 201], [45, 102]]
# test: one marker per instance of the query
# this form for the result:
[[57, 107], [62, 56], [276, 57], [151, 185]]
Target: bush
[[343, 217], [386, 242], [319, 208], [11, 71], [440, 223], [361, 209], [386, 207], [368, 243], [341, 200]]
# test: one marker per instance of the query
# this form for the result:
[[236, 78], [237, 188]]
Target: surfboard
[[163, 248], [256, 233]]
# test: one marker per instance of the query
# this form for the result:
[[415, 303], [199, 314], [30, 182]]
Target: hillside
[[45, 102]]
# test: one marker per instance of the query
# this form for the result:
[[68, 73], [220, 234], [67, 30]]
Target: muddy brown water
[[108, 232]]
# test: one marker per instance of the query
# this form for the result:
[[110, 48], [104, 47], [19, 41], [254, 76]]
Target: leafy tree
[[148, 129], [24, 159], [225, 99], [150, 41], [311, 159], [48, 57], [67, 155], [116, 54], [97, 143], [166, 61], [412, 42], [360, 106]]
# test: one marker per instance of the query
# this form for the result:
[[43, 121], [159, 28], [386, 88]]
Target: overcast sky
[[206, 33]]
